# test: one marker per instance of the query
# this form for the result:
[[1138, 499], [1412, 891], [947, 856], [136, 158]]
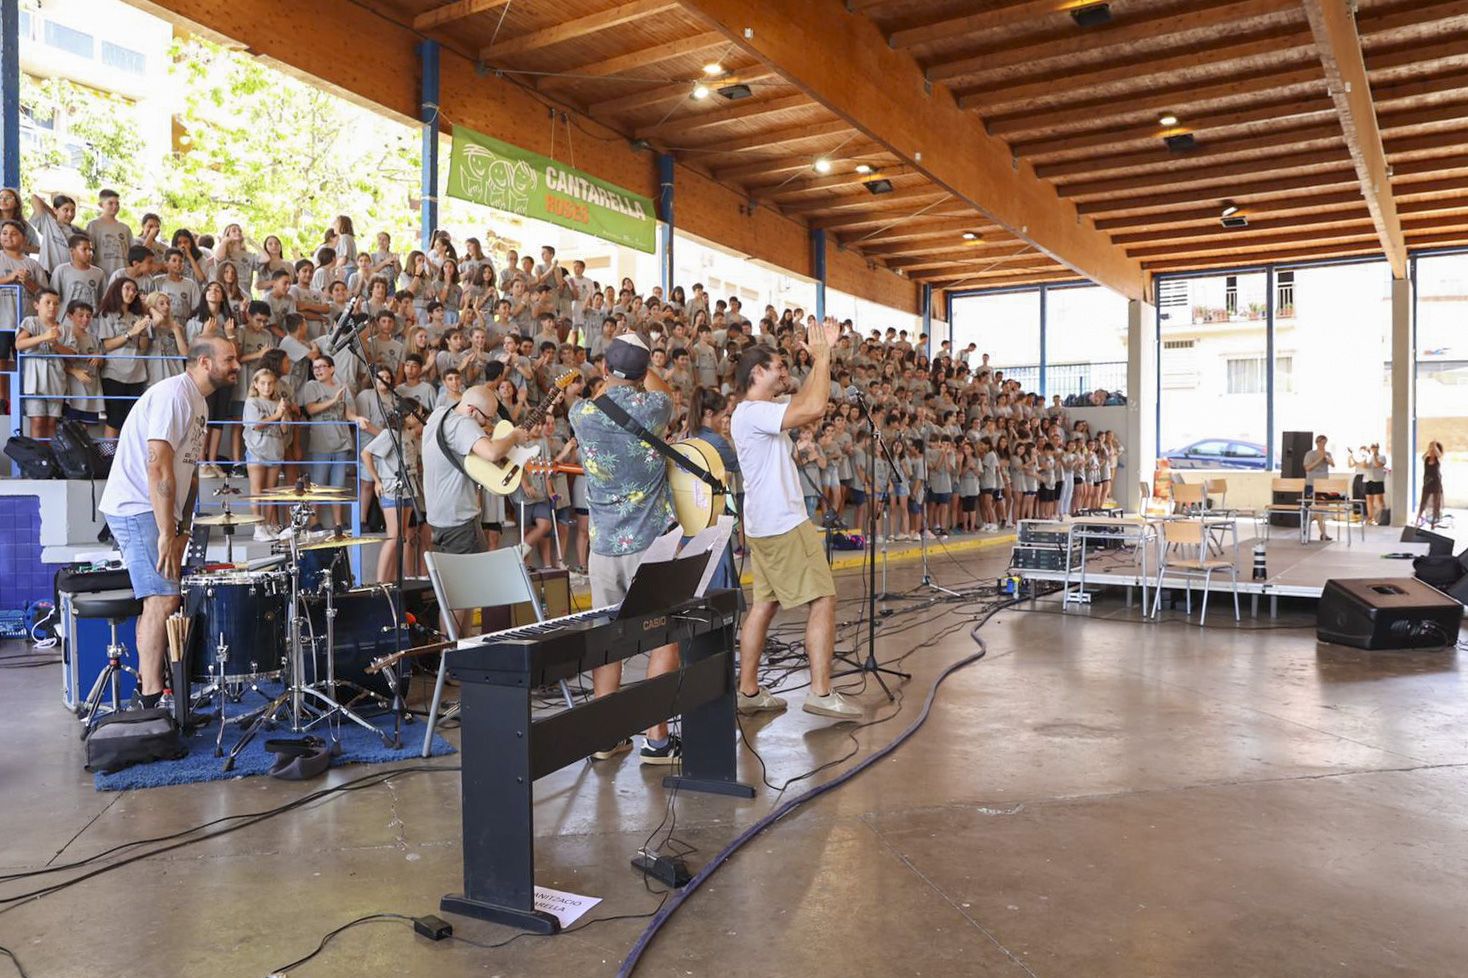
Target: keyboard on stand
[[505, 748]]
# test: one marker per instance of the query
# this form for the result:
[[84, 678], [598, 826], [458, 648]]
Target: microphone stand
[[870, 665], [352, 337]]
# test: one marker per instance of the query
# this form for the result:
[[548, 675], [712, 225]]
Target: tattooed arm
[[162, 488]]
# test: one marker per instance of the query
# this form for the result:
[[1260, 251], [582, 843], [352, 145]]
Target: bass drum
[[242, 613]]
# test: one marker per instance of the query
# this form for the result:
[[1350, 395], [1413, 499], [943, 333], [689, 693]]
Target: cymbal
[[295, 498], [227, 519], [330, 542], [309, 489]]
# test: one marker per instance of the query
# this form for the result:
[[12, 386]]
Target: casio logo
[[651, 623]]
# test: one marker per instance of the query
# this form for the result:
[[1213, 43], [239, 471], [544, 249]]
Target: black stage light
[[735, 92], [1093, 16], [879, 186], [1183, 142], [1234, 221]]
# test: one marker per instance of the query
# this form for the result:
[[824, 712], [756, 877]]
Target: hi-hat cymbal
[[227, 519], [342, 542], [308, 489]]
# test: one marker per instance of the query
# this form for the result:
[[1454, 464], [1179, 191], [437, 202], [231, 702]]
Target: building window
[[124, 59], [68, 39], [1284, 298], [1231, 295], [1246, 375]]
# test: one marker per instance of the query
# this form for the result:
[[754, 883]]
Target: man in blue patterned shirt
[[627, 494]]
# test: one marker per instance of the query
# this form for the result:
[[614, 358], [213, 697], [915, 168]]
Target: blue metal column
[[10, 89], [665, 214], [1269, 440], [428, 114], [926, 301], [818, 268], [1044, 295]]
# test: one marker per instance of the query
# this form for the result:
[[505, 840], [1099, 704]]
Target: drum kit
[[273, 620]]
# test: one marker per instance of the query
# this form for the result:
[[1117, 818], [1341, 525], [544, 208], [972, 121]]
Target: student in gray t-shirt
[[451, 498]]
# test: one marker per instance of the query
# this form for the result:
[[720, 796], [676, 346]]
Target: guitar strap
[[630, 425], [443, 445]]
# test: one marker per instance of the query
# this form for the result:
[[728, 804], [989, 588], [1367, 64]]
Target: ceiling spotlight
[[878, 185], [1093, 15], [970, 236], [734, 91], [1169, 120], [1230, 208], [822, 165], [1235, 222], [700, 91], [1182, 142], [713, 69], [863, 168]]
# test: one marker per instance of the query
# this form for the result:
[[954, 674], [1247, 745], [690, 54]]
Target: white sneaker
[[263, 533], [833, 704], [762, 701]]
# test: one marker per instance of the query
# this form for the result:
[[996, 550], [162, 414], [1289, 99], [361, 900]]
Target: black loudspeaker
[[1386, 613], [1437, 544], [1293, 446]]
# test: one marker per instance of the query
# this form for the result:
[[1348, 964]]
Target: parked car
[[1218, 453]]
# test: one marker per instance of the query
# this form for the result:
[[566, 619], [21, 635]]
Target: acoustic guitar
[[503, 477], [696, 504]]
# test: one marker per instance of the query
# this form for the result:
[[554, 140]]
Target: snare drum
[[246, 613]]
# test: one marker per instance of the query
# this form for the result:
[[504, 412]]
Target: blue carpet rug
[[358, 746]]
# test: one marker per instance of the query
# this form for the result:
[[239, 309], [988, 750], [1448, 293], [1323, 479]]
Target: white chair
[[1190, 533], [462, 582]]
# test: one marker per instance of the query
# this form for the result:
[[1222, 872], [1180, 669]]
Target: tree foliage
[[101, 139]]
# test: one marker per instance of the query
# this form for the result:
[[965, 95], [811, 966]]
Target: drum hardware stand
[[870, 665], [109, 678], [226, 490], [297, 691]]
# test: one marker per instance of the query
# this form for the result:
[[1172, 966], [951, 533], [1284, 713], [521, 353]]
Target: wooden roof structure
[[1021, 145]]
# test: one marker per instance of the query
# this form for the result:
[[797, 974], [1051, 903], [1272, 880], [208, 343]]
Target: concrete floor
[[1095, 798]]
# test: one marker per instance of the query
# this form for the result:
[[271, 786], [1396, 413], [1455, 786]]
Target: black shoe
[[669, 753]]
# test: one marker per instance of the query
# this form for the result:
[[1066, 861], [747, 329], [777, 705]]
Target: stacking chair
[[462, 582], [1217, 493], [1339, 508], [1188, 497], [1276, 487], [1190, 534]]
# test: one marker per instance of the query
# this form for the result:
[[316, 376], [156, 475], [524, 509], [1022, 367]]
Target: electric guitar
[[503, 477]]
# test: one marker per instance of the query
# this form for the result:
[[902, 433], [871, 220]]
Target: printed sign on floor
[[567, 907]]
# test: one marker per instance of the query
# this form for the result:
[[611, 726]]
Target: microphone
[[346, 325]]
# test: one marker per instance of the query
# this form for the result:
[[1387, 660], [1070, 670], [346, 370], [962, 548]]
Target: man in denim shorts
[[149, 498]]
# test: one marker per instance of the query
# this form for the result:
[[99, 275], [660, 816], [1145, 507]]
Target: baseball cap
[[627, 357]]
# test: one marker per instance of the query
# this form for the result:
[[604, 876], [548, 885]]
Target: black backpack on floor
[[131, 737], [78, 453], [34, 457]]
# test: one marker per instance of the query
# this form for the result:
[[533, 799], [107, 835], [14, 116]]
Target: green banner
[[486, 171]]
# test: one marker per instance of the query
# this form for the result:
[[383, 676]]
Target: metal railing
[[1067, 379]]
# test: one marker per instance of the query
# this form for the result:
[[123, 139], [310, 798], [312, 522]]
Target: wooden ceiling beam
[[779, 137], [885, 221], [753, 108], [946, 245], [1285, 138], [834, 181], [639, 59], [912, 196], [773, 170], [1243, 235], [1163, 97], [1002, 15], [610, 108], [570, 30], [1137, 68], [844, 63], [1124, 29], [1300, 254], [951, 283], [1361, 231], [913, 233], [1282, 112], [1334, 28], [1299, 187], [1213, 212], [450, 12], [1213, 174]]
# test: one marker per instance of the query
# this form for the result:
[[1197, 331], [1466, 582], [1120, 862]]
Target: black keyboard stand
[[504, 750]]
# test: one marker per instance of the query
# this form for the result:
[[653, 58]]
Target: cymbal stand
[[226, 490]]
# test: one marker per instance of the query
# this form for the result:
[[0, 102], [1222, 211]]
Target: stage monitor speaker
[[1437, 544], [1293, 446], [1386, 613]]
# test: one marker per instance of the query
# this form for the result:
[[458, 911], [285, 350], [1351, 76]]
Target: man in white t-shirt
[[149, 497], [790, 568]]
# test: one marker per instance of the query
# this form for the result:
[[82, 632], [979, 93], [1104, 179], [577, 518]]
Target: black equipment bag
[[78, 454], [1441, 571], [34, 457], [131, 737]]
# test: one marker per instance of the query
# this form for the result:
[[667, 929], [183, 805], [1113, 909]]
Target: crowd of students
[[107, 311]]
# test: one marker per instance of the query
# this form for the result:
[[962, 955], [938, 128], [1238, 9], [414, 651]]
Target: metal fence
[[1067, 379]]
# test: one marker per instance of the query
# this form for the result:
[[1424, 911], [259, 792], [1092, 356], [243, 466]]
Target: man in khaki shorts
[[790, 568]]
